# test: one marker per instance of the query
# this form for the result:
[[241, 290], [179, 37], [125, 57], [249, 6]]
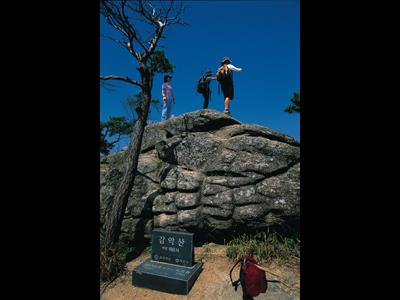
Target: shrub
[[112, 261], [264, 247]]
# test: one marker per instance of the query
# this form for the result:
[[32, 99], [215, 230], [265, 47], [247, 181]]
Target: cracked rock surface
[[206, 172]]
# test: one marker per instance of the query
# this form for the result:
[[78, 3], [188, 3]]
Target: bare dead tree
[[124, 16]]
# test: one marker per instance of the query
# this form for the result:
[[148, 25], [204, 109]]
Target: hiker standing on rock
[[168, 98], [225, 79], [203, 87]]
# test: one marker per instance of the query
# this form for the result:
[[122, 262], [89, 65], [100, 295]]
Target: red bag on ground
[[254, 278]]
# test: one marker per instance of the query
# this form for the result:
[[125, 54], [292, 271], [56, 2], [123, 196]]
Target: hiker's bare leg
[[227, 102]]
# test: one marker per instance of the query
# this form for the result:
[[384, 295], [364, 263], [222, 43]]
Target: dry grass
[[264, 247]]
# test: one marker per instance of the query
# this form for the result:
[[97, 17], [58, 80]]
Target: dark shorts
[[227, 89]]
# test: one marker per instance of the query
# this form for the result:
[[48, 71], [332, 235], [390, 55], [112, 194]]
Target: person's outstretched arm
[[233, 68]]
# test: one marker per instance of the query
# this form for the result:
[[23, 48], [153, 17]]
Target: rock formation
[[207, 173]]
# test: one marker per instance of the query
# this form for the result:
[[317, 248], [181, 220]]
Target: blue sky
[[262, 37]]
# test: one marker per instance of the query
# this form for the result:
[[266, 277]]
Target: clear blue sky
[[262, 37]]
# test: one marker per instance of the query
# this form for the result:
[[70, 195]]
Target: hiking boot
[[227, 112]]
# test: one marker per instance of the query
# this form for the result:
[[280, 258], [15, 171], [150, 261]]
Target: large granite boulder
[[205, 172]]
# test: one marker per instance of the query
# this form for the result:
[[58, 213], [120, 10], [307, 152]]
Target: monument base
[[165, 277]]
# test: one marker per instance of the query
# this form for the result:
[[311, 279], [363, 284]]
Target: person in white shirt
[[226, 80], [168, 98]]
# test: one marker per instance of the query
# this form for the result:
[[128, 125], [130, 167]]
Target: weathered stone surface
[[189, 180], [152, 135], [243, 193], [223, 200], [171, 180], [166, 149], [163, 220], [214, 223], [283, 191], [202, 120], [247, 195], [254, 154], [108, 187], [232, 180], [189, 217], [217, 211], [187, 200], [245, 213], [170, 197], [206, 171], [212, 189], [256, 130], [159, 206], [196, 150]]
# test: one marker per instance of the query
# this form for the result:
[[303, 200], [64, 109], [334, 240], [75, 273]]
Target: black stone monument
[[171, 268]]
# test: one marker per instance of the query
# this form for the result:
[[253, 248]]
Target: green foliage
[[295, 106], [112, 260], [148, 248], [114, 127], [264, 247], [133, 103], [159, 63], [105, 146], [118, 158]]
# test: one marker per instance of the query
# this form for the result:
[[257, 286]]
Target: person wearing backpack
[[168, 98], [225, 79], [203, 87]]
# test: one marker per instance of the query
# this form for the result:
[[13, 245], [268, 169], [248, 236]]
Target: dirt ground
[[213, 282]]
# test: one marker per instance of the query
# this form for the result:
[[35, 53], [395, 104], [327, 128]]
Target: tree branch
[[116, 141], [122, 78], [107, 129], [154, 19], [119, 21], [110, 10], [168, 11], [121, 42], [153, 43], [161, 25], [116, 15], [108, 86], [131, 30], [177, 18]]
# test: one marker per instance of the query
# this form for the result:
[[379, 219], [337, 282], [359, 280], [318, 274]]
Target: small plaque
[[172, 247]]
